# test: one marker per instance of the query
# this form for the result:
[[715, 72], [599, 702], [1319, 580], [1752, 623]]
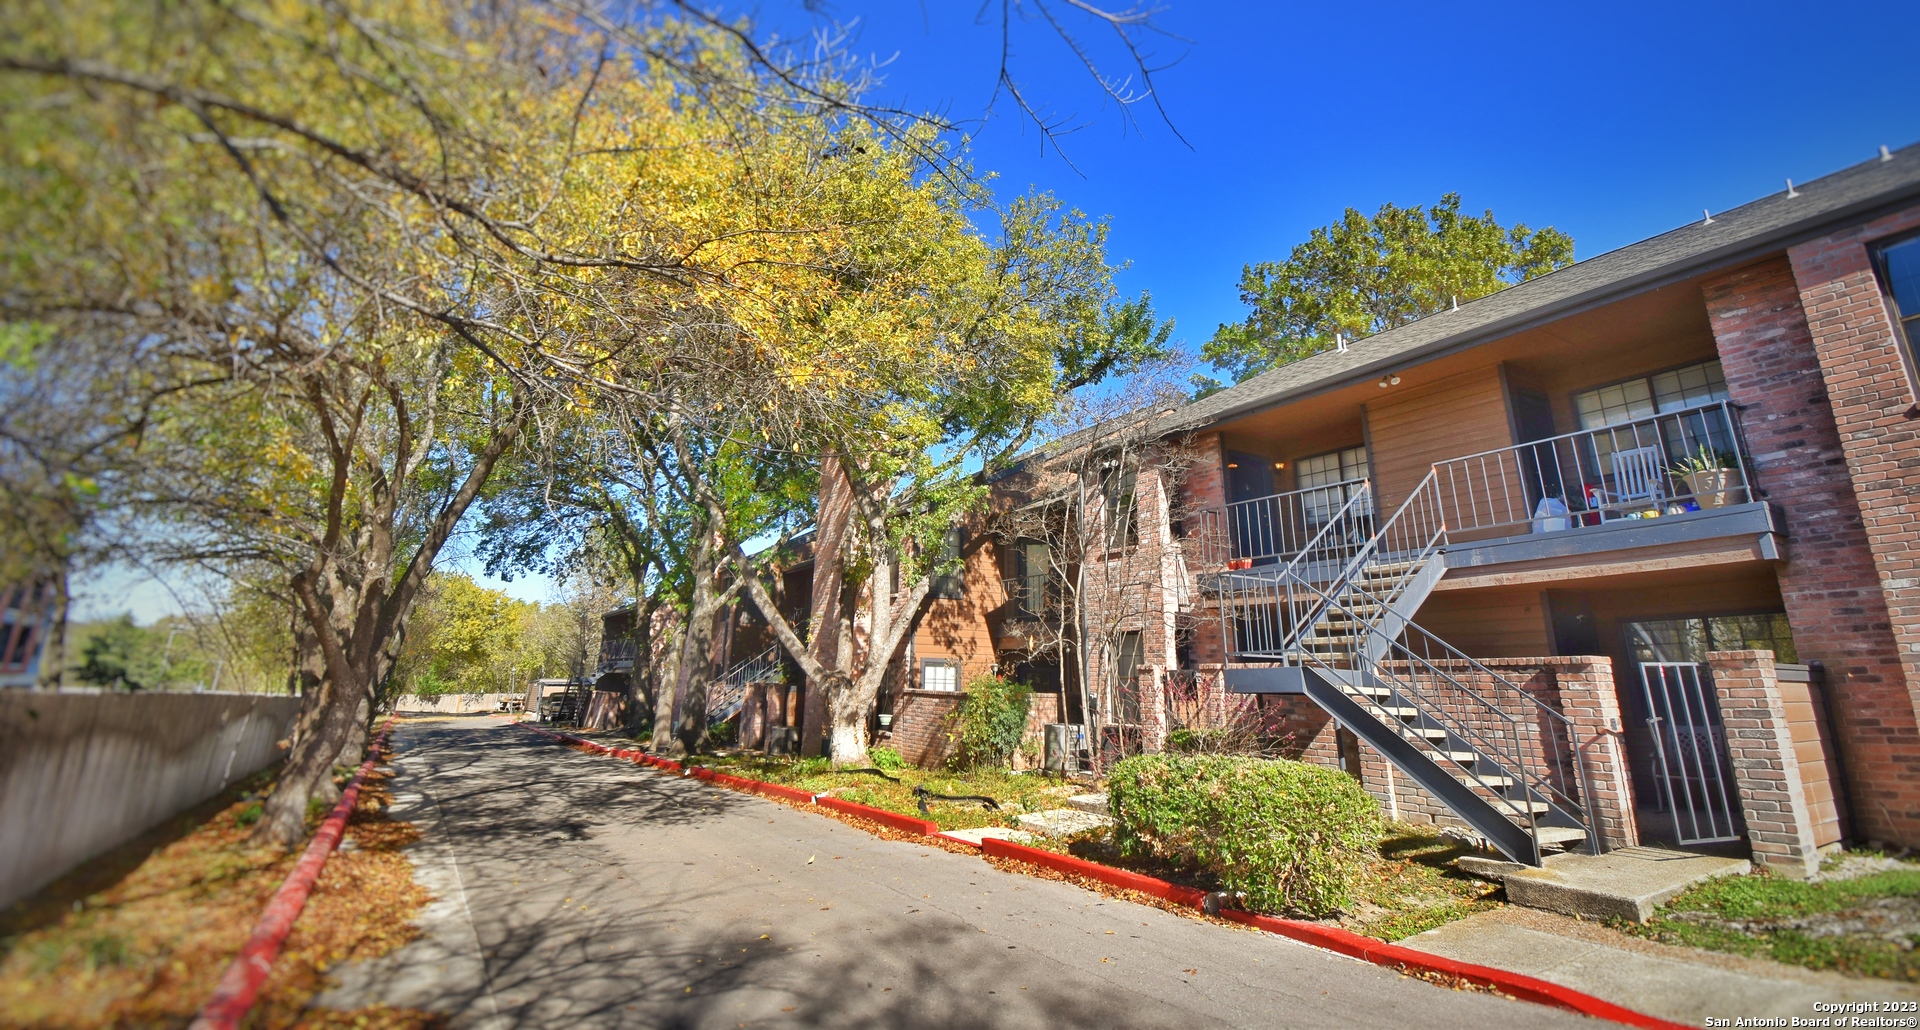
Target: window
[[1117, 489], [1900, 270], [939, 674], [1688, 387], [952, 586], [1326, 472], [1689, 640], [1640, 400], [1035, 561], [1129, 652]]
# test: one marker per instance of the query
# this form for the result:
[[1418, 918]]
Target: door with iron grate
[[1691, 770]]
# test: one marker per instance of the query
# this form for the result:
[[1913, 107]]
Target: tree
[[1361, 276]]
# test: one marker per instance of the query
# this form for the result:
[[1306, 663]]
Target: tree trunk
[[829, 581], [663, 692], [697, 660], [53, 654], [308, 770]]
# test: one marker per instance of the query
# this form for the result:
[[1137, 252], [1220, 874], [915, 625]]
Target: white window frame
[[950, 670]]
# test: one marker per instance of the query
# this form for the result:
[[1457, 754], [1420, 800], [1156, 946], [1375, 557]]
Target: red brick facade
[[1829, 582], [1874, 407]]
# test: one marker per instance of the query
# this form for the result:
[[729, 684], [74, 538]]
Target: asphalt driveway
[[583, 891]]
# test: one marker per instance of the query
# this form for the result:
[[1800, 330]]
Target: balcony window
[[1117, 488], [1322, 473], [1637, 399], [1035, 564], [1900, 271], [953, 586]]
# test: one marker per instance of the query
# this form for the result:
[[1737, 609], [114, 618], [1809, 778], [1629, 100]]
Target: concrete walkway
[[1681, 984], [579, 891]]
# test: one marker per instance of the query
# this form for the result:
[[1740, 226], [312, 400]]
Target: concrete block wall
[[1831, 581], [450, 704], [83, 772], [1766, 767]]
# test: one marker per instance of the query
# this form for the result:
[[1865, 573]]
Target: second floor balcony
[[1672, 479]]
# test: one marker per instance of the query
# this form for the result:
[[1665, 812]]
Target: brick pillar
[[1591, 703], [1829, 581], [1153, 708], [1204, 486], [1765, 767]]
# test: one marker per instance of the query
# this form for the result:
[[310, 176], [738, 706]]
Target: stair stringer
[[1400, 612], [1513, 840]]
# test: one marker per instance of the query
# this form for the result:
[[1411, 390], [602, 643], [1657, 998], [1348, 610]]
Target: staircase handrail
[[1435, 540], [1270, 579]]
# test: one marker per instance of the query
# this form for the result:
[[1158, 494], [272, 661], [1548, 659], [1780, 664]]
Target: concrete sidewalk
[[1682, 984], [579, 891]]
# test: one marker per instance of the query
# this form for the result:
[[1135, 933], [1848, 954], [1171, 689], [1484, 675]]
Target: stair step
[[1421, 733], [1456, 757], [1516, 805], [1383, 714], [1559, 835], [1489, 782]]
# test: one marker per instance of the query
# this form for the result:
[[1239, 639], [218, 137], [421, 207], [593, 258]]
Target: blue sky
[[1610, 123]]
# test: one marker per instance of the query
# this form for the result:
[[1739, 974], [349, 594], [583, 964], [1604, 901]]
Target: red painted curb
[[904, 823], [1331, 938], [241, 983], [1335, 939]]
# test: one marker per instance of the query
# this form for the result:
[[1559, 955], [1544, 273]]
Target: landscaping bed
[[1408, 886], [148, 948], [892, 789], [1862, 917]]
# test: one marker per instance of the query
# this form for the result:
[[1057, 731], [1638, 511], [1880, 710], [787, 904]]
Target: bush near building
[[1292, 837]]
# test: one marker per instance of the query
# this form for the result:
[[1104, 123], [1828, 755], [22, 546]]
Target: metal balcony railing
[[1267, 530], [1666, 464], [619, 649]]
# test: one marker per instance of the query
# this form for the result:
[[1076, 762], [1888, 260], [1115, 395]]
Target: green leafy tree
[[120, 654], [1361, 276]]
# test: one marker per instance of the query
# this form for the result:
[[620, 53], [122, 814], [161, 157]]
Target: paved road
[[604, 894]]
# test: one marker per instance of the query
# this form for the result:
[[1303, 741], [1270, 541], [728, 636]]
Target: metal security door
[[1689, 763]]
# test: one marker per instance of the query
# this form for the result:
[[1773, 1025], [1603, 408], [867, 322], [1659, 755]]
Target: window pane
[[1610, 405], [940, 676], [1755, 633], [1690, 387], [1903, 277]]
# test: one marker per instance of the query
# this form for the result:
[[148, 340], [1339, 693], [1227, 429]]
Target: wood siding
[[1509, 622], [1407, 431], [959, 629]]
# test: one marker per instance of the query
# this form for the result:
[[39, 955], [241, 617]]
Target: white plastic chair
[[1639, 481]]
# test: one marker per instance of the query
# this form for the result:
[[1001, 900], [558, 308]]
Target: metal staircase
[[1335, 622], [731, 691]]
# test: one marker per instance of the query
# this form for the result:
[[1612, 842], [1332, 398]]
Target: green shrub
[[886, 758], [1291, 836], [990, 722]]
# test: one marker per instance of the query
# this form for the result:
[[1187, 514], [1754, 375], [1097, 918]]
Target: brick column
[[1591, 703], [1765, 767], [1829, 581], [1152, 685]]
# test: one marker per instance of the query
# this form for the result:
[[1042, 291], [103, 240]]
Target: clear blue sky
[[1611, 124]]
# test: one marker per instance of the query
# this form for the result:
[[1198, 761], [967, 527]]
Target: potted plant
[[1709, 475]]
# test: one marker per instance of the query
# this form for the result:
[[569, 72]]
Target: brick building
[[1649, 520]]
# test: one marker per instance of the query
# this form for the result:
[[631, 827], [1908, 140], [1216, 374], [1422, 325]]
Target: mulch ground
[[147, 947]]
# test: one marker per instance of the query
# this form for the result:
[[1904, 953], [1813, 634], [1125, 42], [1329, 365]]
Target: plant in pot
[[1710, 475]]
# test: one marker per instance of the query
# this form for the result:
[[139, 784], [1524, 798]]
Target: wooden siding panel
[[1496, 623], [1408, 432], [959, 629]]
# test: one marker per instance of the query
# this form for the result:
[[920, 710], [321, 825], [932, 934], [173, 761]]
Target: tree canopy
[[1364, 275]]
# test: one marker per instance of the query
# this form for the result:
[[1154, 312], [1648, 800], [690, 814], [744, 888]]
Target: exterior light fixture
[[1279, 464], [1389, 380], [1233, 464]]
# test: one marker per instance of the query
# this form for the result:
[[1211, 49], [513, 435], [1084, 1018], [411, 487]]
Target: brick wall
[[1829, 583], [1871, 394], [1205, 486], [920, 726], [1766, 769]]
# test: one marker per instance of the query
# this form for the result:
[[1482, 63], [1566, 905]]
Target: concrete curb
[[241, 983], [1331, 938]]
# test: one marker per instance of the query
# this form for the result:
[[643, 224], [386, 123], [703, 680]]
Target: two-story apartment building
[[1625, 552]]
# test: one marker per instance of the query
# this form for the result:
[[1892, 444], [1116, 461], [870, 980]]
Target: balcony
[[1667, 485], [617, 654]]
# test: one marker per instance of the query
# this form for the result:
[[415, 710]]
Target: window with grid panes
[[1324, 471], [1637, 400], [1900, 268]]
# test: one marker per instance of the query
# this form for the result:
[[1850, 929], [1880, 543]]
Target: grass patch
[[1015, 793], [147, 947], [1867, 926]]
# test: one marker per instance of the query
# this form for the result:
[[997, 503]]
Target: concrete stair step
[[1419, 733], [1456, 757], [1092, 804], [1489, 782]]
